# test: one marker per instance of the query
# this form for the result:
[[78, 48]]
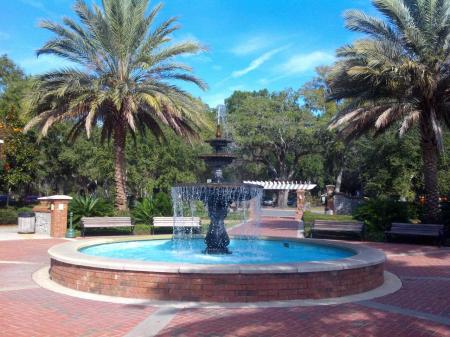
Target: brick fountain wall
[[217, 287]]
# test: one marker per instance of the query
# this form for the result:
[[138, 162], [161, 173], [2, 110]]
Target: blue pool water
[[244, 252]]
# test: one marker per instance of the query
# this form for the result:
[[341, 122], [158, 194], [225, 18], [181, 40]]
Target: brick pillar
[[299, 213], [300, 204], [329, 205], [59, 205]]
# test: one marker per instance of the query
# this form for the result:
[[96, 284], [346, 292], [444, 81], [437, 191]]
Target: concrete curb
[[69, 253]]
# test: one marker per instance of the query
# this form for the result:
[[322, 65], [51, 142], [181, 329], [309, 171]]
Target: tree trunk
[[282, 198], [119, 167], [339, 180], [430, 169]]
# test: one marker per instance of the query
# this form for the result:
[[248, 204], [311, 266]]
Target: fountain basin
[[360, 272]]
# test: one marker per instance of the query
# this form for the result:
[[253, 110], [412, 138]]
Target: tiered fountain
[[217, 196], [270, 269]]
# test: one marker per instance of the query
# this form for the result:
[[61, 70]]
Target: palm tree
[[398, 75], [122, 78]]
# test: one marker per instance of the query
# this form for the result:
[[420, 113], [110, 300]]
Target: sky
[[251, 44]]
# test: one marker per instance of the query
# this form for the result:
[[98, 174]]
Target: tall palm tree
[[122, 81], [398, 75]]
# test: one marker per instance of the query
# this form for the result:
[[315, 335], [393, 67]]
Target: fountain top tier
[[220, 157]]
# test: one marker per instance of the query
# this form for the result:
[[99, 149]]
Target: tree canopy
[[272, 131]]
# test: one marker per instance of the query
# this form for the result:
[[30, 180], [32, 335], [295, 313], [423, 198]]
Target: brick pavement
[[420, 308], [326, 321], [269, 226], [36, 312], [39, 312]]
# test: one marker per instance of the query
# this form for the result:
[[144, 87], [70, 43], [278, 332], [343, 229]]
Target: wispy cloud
[[256, 63], [297, 65], [43, 63], [38, 4], [217, 98], [251, 45], [34, 3], [4, 36], [302, 63]]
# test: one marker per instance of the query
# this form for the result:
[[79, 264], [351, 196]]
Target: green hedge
[[8, 216], [378, 214]]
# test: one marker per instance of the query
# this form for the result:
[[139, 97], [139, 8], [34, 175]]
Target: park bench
[[334, 228], [105, 222], [435, 231], [184, 222]]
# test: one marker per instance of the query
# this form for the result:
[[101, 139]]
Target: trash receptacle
[[26, 223]]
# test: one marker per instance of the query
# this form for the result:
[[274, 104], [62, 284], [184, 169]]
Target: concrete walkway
[[9, 232], [420, 308]]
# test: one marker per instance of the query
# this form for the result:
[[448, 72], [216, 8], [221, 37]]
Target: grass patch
[[309, 218]]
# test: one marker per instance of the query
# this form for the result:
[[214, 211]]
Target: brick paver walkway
[[27, 310], [284, 227], [420, 308]]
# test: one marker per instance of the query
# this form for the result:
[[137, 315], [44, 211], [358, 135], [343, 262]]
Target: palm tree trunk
[[119, 168], [430, 160]]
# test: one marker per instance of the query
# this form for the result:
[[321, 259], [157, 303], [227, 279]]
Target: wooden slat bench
[[334, 228], [436, 231], [185, 222], [105, 222]]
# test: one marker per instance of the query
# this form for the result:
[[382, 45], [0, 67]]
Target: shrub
[[145, 210], [89, 206], [24, 209], [8, 216], [163, 205], [378, 214]]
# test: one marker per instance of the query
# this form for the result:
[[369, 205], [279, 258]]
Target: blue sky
[[252, 44]]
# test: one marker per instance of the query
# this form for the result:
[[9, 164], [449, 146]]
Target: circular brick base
[[217, 287], [315, 280]]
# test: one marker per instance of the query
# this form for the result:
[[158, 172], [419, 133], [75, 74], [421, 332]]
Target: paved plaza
[[420, 308]]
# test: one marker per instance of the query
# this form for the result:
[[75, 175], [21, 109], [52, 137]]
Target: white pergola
[[282, 185]]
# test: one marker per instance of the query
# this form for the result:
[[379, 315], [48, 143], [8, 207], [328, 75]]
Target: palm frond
[[399, 73], [124, 72]]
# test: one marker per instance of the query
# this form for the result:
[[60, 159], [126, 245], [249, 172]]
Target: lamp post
[[71, 232]]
